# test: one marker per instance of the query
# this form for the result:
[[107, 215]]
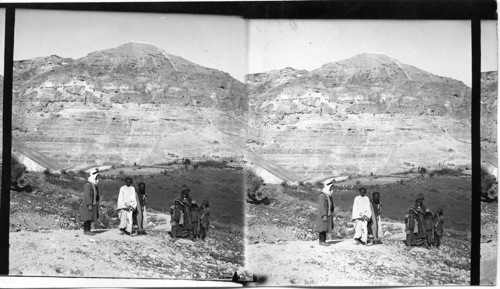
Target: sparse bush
[[64, 172], [319, 185], [211, 164], [488, 189], [446, 172], [358, 182], [422, 171], [301, 184], [16, 170], [371, 174], [253, 182], [121, 172], [284, 184], [82, 173], [186, 162], [308, 184]]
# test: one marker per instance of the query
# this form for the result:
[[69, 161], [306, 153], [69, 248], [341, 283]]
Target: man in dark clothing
[[90, 203], [139, 214], [324, 219]]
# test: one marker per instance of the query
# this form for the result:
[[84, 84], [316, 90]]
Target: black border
[[473, 10]]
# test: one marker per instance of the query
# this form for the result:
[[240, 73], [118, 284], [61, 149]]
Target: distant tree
[[186, 162]]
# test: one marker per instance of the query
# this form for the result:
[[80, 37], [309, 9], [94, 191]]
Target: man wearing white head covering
[[324, 221], [90, 203], [126, 206], [361, 213]]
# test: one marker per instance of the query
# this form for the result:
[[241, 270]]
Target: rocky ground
[[282, 249], [489, 243], [45, 240]]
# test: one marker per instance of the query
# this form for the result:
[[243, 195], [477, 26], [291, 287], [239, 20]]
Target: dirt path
[[59, 252], [344, 263]]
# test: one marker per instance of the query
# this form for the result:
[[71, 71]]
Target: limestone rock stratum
[[138, 104], [132, 103], [367, 114]]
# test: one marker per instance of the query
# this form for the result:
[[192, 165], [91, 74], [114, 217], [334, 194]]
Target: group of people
[[188, 219], [422, 227], [365, 214], [131, 206]]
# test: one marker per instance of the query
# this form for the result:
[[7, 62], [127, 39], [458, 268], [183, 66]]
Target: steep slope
[[489, 99], [132, 103], [367, 114]]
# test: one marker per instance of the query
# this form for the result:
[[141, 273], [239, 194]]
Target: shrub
[[16, 170], [63, 172], [319, 185], [371, 174], [121, 172], [253, 182], [422, 171], [301, 184], [211, 164], [186, 162], [358, 182], [82, 173], [488, 190], [47, 172], [284, 184]]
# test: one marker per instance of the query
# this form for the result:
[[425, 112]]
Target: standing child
[[195, 219], [429, 229], [204, 213], [438, 227], [176, 218], [410, 227]]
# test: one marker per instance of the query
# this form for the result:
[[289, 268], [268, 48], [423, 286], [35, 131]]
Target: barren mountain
[[489, 99], [132, 103], [367, 114]]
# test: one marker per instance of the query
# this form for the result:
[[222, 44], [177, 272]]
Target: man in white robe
[[361, 213], [126, 206]]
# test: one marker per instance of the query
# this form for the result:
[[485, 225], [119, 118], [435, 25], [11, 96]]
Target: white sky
[[211, 41], [489, 45], [439, 47]]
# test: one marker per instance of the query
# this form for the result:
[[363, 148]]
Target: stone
[[15, 271]]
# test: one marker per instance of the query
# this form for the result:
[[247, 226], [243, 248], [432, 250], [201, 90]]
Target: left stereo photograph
[[128, 145]]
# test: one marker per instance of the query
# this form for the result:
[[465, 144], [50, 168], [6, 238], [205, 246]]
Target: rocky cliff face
[[132, 103], [367, 114], [136, 103], [489, 99]]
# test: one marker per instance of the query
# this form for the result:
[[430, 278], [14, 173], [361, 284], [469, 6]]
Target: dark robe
[[88, 199], [323, 209]]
